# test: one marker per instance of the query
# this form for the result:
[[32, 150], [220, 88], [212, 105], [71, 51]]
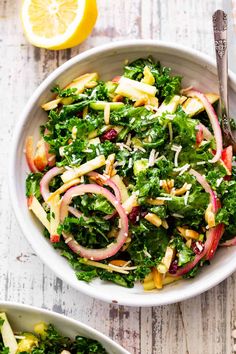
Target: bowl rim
[[139, 300], [10, 305]]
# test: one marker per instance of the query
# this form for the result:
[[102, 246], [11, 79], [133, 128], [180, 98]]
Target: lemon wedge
[[58, 24]]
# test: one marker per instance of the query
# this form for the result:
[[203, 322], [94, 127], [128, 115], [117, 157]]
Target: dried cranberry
[[134, 214], [197, 247], [80, 114], [109, 135], [173, 267]]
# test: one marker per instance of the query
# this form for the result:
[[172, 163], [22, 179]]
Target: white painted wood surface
[[200, 325]]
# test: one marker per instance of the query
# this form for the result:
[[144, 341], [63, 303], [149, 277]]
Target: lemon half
[[58, 24]]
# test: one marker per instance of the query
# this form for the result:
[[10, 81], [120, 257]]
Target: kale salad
[[130, 178], [45, 339]]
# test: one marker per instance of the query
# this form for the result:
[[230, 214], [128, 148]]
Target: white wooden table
[[200, 325]]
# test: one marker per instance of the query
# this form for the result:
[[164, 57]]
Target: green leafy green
[[32, 185], [184, 253], [166, 84]]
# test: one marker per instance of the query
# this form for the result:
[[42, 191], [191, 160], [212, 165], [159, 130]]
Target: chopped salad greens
[[130, 178], [45, 339]]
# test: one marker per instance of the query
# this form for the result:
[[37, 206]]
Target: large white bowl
[[198, 70], [23, 318]]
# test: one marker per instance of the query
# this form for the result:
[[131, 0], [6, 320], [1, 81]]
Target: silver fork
[[220, 25]]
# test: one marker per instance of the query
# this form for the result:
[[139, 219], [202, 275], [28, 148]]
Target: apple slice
[[85, 168], [193, 105], [37, 209], [40, 158], [54, 218], [8, 337], [79, 83], [122, 187], [29, 153]]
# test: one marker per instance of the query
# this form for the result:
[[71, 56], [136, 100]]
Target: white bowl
[[198, 70], [23, 318]]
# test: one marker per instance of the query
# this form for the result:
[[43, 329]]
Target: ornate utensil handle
[[220, 35]]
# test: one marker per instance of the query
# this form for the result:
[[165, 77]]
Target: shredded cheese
[[176, 215], [182, 169], [218, 181], [186, 197], [122, 146], [128, 141], [151, 159], [177, 150]]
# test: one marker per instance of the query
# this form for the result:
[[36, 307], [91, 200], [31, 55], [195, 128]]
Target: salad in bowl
[[44, 338], [25, 329], [130, 178]]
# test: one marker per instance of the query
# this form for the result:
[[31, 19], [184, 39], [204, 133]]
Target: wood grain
[[200, 325]]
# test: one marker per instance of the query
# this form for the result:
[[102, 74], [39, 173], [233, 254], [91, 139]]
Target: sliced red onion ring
[[76, 212], [29, 153], [44, 183], [213, 119], [102, 180], [206, 132], [229, 243], [207, 188], [213, 235], [94, 254]]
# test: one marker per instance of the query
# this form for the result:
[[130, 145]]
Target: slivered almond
[[141, 102], [170, 183], [118, 262], [118, 98], [189, 243], [165, 186], [153, 219], [155, 201], [109, 165], [192, 234], [182, 190], [210, 216], [126, 244], [187, 233], [165, 224]]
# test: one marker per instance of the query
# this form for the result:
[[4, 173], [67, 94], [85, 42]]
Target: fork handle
[[220, 36]]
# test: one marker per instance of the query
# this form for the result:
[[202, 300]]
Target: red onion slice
[[215, 235], [213, 119], [76, 212], [94, 254], [206, 132], [44, 183], [229, 243], [207, 188], [102, 180]]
